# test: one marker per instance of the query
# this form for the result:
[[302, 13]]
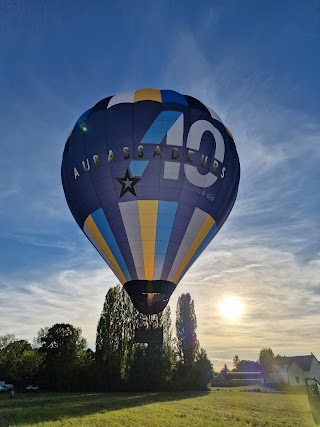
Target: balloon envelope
[[150, 177]]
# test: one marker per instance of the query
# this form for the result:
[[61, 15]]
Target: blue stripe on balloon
[[183, 217], [200, 249], [172, 96], [159, 128], [104, 228], [165, 219], [84, 116], [137, 167]]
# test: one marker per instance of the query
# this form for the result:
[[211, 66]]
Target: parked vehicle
[[6, 387], [9, 386], [32, 388]]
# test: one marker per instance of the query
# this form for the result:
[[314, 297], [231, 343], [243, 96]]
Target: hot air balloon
[[150, 177]]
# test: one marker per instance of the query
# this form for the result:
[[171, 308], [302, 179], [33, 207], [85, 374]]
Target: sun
[[231, 308]]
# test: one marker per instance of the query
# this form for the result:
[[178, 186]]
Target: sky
[[255, 63]]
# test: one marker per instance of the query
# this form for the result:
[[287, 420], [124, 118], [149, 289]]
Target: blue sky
[[257, 65]]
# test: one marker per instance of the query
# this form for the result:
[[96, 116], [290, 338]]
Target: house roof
[[304, 362]]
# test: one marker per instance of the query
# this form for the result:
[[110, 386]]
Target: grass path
[[225, 408]]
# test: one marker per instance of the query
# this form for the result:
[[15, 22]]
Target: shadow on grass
[[35, 408]]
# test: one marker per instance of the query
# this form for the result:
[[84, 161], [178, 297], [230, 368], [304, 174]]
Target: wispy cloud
[[279, 292], [267, 253], [70, 296], [9, 191], [40, 240]]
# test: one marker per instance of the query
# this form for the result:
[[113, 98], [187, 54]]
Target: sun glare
[[231, 308]]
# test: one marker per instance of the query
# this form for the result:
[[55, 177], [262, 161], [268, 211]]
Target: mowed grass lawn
[[225, 407]]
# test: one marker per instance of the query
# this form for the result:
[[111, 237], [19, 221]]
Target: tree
[[194, 369], [6, 339], [168, 360], [122, 363], [236, 361], [139, 370], [115, 338], [186, 326], [63, 349], [154, 364], [266, 357], [248, 366], [225, 370], [245, 365], [203, 370], [19, 361], [83, 377]]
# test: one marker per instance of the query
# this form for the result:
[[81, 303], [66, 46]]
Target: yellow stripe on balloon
[[91, 225], [148, 214], [147, 95], [204, 230]]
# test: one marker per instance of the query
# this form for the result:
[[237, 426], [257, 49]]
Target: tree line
[[59, 358], [263, 365]]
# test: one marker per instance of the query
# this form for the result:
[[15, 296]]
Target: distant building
[[294, 370], [248, 376], [232, 379]]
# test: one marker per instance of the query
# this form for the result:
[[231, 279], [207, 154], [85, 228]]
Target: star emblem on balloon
[[128, 182]]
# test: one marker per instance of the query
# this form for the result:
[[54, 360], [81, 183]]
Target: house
[[294, 370]]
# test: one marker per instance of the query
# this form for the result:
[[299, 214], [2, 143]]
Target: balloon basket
[[149, 296]]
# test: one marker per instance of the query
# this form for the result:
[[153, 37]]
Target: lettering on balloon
[[191, 163]]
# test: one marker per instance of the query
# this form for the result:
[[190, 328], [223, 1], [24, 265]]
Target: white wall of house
[[314, 370], [280, 374], [296, 376]]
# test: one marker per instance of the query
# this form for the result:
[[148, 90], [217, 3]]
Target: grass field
[[224, 407]]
